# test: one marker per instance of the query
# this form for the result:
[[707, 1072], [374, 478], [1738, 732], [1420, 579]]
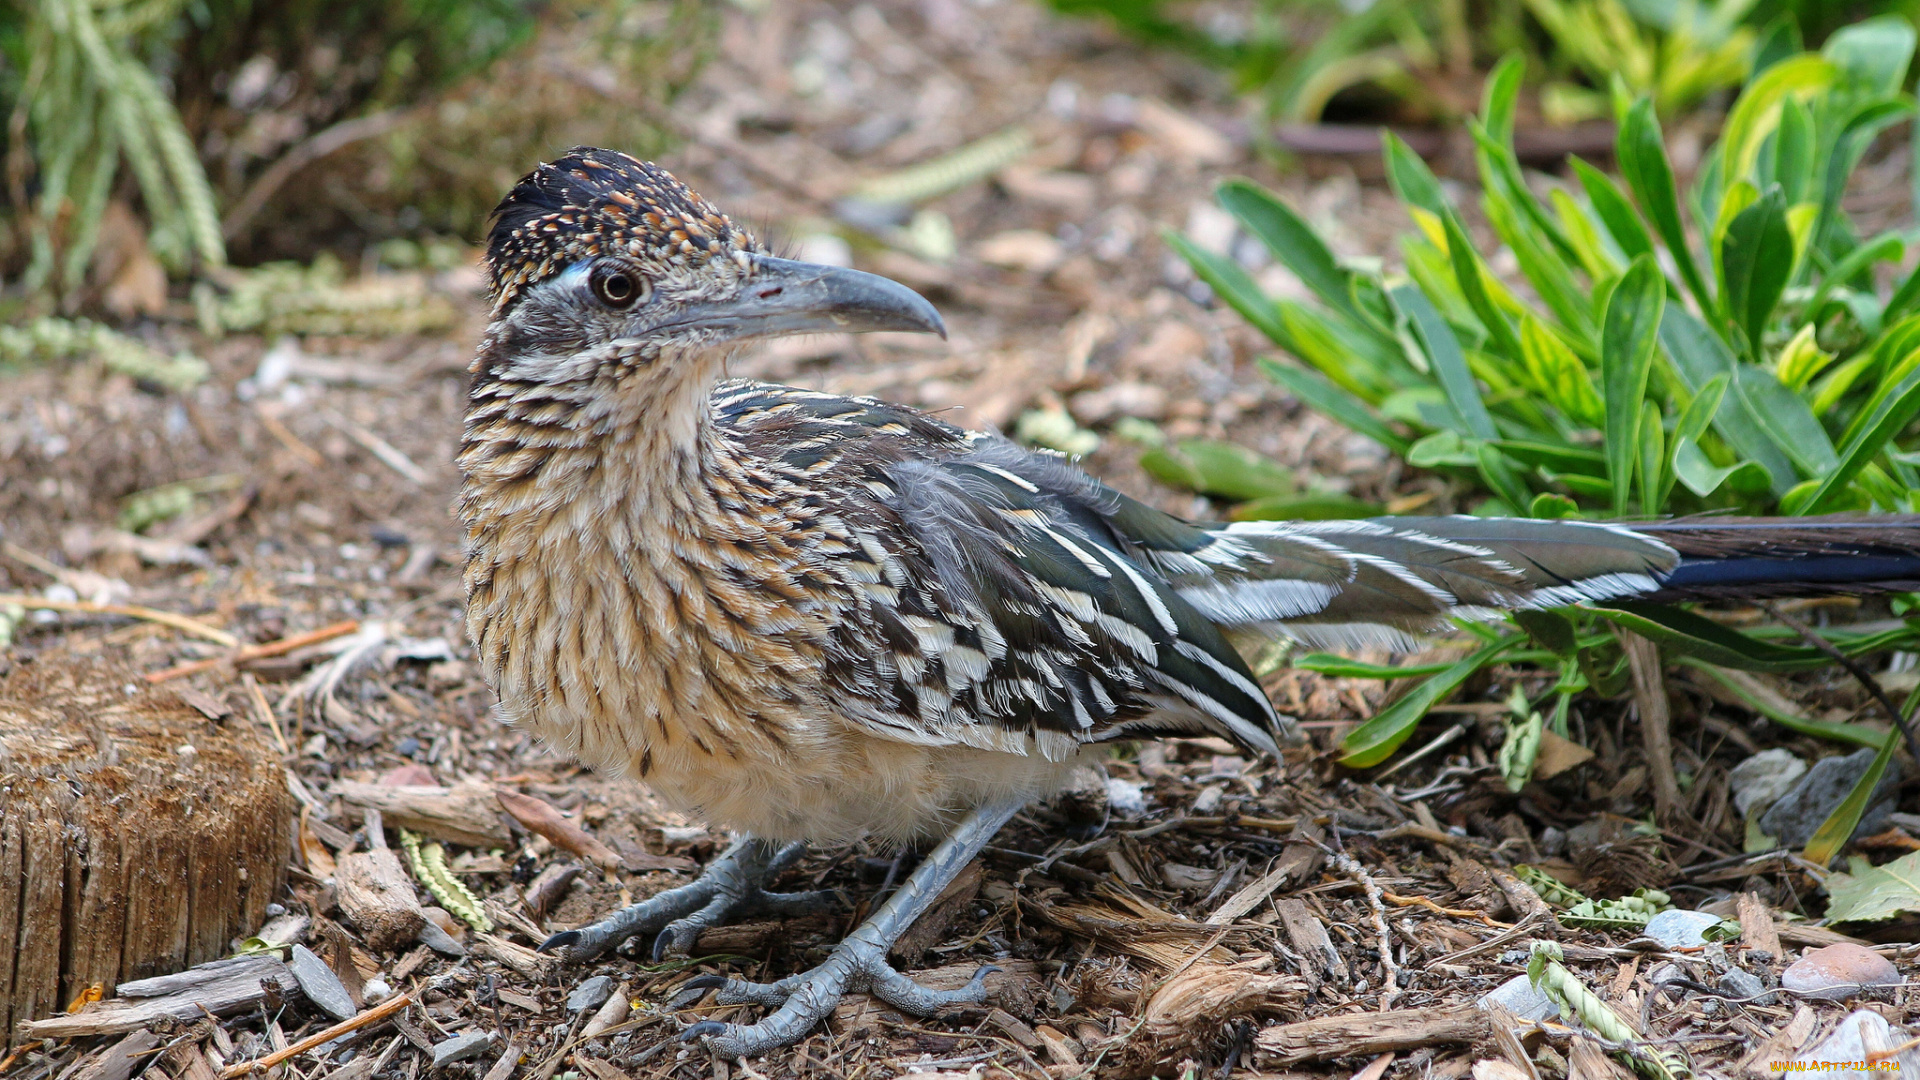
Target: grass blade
[[1643, 161], [1291, 239], [1372, 742], [1628, 335], [1449, 362]]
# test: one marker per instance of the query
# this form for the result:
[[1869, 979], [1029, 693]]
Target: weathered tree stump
[[137, 837]]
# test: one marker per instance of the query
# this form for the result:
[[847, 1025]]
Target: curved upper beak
[[783, 297]]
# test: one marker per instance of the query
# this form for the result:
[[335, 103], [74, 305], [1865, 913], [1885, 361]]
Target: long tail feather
[[1379, 581]]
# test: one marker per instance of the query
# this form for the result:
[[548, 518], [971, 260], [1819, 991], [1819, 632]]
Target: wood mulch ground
[[1235, 917]]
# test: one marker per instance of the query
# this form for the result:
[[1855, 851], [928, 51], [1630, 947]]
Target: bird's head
[[603, 267]]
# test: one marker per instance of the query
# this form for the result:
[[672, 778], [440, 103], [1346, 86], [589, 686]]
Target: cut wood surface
[[123, 809], [222, 987], [1373, 1033], [465, 813]]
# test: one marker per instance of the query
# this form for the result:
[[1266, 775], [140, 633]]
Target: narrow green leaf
[[1345, 667], [1217, 468], [1698, 355], [1857, 734], [1837, 829], [1291, 239], [1412, 181], [1616, 213], [1502, 93], [1563, 457], [1700, 475], [1467, 271], [1756, 112], [1654, 482], [1786, 418], [1231, 283], [1449, 362], [1757, 257], [1372, 742], [1875, 51], [1894, 414], [1552, 630], [1307, 506], [1321, 395], [1887, 247], [1629, 334], [1694, 635], [1643, 162]]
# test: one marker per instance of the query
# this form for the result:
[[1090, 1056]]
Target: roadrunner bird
[[808, 617]]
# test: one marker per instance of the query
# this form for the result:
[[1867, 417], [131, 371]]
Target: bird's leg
[[860, 961], [732, 884]]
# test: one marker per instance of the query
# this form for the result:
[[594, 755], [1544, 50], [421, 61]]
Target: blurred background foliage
[[147, 138], [1416, 61]]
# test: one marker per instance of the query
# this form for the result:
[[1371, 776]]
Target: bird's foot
[[732, 885], [802, 1001]]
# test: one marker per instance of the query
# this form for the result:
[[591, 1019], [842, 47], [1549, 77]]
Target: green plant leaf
[[1786, 418], [1501, 94], [1218, 468], [1552, 630], [1756, 259], [1615, 212], [1468, 272], [1232, 283], [1643, 162], [1698, 355], [1320, 394], [1306, 506], [1291, 239], [1449, 362], [1694, 635], [1874, 51], [1560, 457], [1770, 705], [1345, 667], [1553, 505], [1874, 893], [1757, 111], [1892, 417], [1628, 336], [1372, 742], [1887, 247], [1837, 829], [1700, 475], [1412, 181], [1654, 483]]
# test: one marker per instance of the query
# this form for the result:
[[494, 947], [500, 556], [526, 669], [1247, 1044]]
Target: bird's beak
[[783, 297]]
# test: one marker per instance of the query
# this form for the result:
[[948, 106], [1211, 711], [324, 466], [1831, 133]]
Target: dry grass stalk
[[1656, 715]]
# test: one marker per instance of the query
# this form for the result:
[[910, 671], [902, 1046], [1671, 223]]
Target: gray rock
[[1680, 927], [320, 984], [1793, 819], [1763, 778], [590, 995], [1520, 997], [462, 1048], [1736, 983], [1862, 1033]]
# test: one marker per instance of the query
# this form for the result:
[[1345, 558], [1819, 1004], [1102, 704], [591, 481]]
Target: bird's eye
[[618, 288]]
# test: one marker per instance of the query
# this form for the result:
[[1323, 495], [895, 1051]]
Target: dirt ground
[[1177, 941]]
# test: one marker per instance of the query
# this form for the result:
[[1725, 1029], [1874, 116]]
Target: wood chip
[[1373, 1033], [1757, 933], [377, 898], [466, 813], [545, 819], [119, 1060], [937, 920], [221, 988], [1308, 936], [1296, 863]]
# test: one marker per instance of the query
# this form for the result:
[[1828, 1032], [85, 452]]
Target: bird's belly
[[851, 785]]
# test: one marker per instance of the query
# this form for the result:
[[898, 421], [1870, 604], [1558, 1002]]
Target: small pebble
[[1520, 997], [1740, 984], [1127, 798], [590, 994], [1679, 928], [376, 990], [320, 984], [462, 1048], [1838, 971]]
